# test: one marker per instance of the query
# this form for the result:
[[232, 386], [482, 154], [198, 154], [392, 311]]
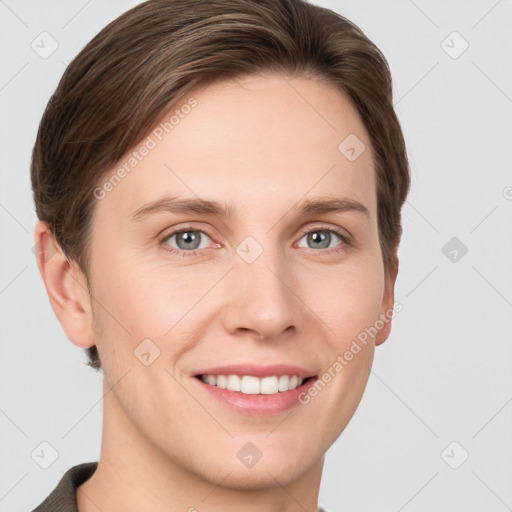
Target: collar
[[63, 497]]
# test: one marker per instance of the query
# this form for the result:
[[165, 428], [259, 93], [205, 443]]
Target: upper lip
[[257, 371]]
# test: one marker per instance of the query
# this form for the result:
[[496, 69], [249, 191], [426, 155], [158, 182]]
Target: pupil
[[188, 238], [322, 237]]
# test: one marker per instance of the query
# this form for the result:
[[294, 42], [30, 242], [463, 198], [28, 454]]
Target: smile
[[251, 385]]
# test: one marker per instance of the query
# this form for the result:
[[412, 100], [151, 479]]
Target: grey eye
[[188, 240], [320, 239]]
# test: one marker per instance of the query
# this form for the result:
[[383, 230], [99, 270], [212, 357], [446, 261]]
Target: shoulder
[[63, 497]]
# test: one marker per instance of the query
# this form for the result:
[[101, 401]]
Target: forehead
[[263, 139]]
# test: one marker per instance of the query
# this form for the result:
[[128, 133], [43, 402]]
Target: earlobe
[[66, 287], [387, 308]]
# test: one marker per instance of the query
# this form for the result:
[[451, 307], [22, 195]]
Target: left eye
[[322, 238]]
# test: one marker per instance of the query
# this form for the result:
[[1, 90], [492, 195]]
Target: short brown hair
[[117, 88]]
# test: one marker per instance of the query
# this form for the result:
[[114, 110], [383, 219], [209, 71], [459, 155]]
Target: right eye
[[185, 240]]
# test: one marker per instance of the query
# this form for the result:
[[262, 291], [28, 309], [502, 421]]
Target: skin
[[262, 144]]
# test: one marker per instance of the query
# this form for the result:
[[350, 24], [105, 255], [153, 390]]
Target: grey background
[[444, 374]]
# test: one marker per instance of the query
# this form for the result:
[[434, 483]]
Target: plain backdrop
[[433, 431]]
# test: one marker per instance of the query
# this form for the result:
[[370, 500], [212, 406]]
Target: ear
[[388, 301], [66, 286]]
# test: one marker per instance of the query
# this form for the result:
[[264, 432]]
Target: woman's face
[[268, 283]]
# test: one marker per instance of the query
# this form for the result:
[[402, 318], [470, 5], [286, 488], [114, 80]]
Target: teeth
[[284, 380], [251, 385], [233, 383], [222, 381], [269, 386]]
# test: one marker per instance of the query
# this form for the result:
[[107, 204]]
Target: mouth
[[252, 385], [256, 390]]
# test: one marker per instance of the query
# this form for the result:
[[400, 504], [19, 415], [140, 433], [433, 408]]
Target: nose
[[263, 298]]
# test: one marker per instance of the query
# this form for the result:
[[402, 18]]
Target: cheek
[[159, 302], [350, 308], [349, 301], [143, 300], [162, 298]]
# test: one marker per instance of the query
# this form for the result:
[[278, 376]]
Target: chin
[[262, 476]]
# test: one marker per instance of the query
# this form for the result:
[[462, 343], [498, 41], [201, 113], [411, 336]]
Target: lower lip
[[258, 405]]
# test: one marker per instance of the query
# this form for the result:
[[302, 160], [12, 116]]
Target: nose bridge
[[261, 289]]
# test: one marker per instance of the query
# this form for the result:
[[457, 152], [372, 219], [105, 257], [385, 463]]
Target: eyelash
[[344, 240]]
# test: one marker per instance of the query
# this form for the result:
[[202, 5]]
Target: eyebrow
[[206, 207]]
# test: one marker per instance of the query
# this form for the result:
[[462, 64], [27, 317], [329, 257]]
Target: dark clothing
[[63, 497]]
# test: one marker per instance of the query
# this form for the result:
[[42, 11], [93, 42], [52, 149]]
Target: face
[[260, 280]]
